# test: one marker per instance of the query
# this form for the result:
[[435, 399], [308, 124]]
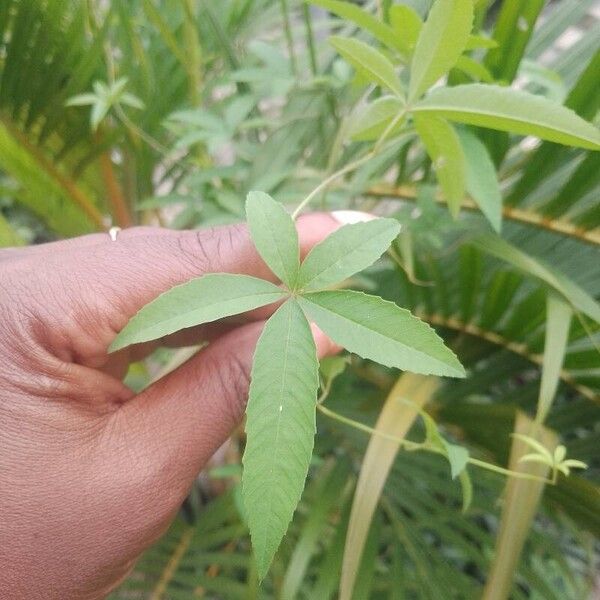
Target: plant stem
[[325, 183], [120, 209], [413, 446], [408, 445], [288, 35], [310, 39], [353, 165], [194, 53]]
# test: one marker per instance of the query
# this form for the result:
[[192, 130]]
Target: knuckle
[[209, 250], [200, 250], [233, 378]]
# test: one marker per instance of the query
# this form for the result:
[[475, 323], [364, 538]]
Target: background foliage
[[169, 111]]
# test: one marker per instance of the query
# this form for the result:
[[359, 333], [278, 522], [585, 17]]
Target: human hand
[[90, 473]]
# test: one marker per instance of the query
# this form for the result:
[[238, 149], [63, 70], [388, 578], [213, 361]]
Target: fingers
[[113, 280], [182, 419]]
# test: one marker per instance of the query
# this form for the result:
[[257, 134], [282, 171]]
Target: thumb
[[182, 419]]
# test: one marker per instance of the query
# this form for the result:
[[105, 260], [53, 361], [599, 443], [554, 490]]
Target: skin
[[92, 474]]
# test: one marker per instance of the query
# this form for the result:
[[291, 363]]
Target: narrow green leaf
[[375, 118], [467, 489], [575, 464], [441, 41], [535, 444], [457, 456], [8, 235], [332, 366], [345, 252], [351, 12], [395, 420], [473, 69], [326, 487], [512, 110], [521, 499], [280, 428], [536, 458], [82, 100], [198, 301], [274, 235], [578, 297], [482, 181], [379, 330], [406, 23], [478, 40], [446, 153], [369, 62], [558, 322], [515, 24], [99, 110]]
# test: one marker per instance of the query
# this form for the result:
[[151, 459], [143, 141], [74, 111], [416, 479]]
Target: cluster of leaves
[[460, 160]]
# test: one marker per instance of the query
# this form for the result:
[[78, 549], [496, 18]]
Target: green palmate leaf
[[379, 330], [441, 41], [578, 297], [369, 62], [373, 121], [346, 251], [200, 300], [274, 235], [558, 322], [513, 110], [482, 181], [446, 153], [280, 427], [383, 32]]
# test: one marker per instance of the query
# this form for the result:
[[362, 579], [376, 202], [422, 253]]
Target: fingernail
[[349, 217]]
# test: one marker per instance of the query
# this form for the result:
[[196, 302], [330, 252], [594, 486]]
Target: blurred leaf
[[441, 41], [370, 63], [521, 500], [558, 322], [447, 156], [395, 420], [482, 180], [513, 29], [477, 40], [513, 110], [375, 118], [578, 297], [381, 31], [406, 23], [331, 367], [327, 496], [8, 236]]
